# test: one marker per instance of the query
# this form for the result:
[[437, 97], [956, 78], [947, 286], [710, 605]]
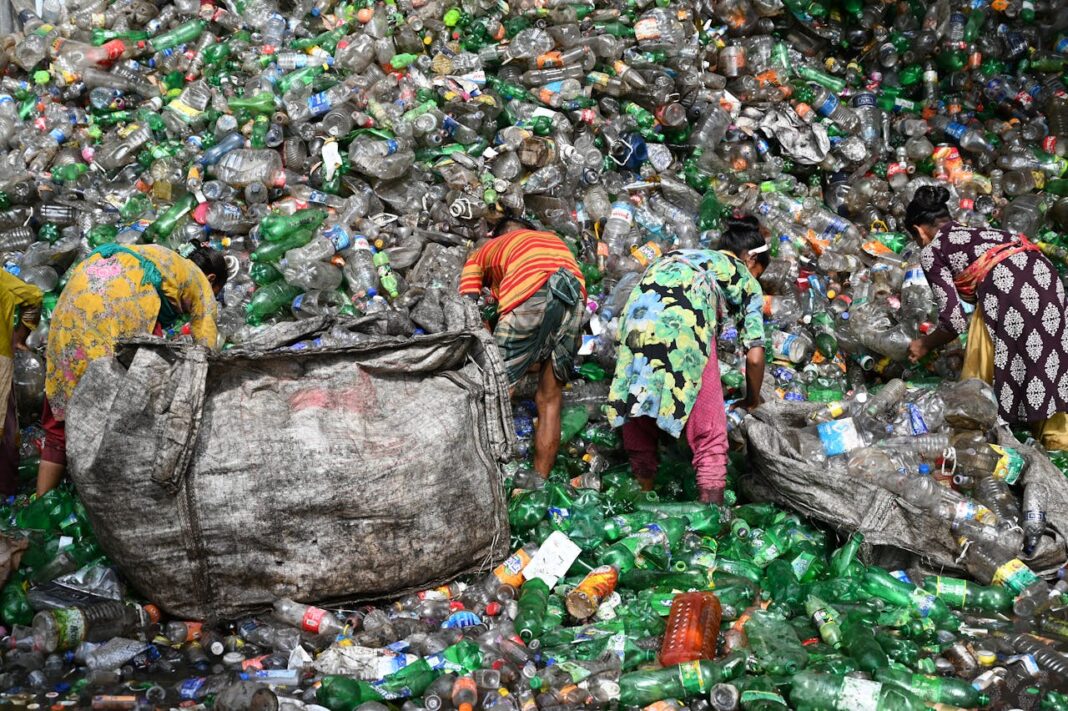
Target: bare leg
[[49, 474], [549, 399]]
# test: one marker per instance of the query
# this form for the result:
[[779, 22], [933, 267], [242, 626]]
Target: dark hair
[[928, 207], [741, 234], [210, 261], [510, 224]]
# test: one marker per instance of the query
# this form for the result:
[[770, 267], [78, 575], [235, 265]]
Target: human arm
[[752, 338], [473, 274], [196, 300], [952, 321], [920, 347], [29, 298], [754, 378]]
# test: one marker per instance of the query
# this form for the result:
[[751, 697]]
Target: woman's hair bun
[[740, 220], [931, 197]]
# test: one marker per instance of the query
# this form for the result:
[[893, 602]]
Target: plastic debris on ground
[[346, 156]]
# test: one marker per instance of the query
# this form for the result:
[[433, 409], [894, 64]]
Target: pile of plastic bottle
[[346, 155]]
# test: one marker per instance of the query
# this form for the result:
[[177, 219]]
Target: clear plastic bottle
[[307, 617]]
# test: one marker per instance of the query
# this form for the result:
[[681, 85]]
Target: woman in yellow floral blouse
[[667, 376], [120, 292]]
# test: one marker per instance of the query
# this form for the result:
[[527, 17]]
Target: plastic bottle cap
[[41, 76]]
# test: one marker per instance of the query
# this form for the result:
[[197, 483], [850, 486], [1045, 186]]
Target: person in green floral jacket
[[667, 375]]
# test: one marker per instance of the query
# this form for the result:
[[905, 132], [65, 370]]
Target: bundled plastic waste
[[346, 155]]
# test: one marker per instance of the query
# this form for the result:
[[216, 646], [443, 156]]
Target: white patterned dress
[[1023, 303]]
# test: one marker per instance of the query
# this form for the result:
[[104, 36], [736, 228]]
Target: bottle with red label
[[307, 617], [692, 628]]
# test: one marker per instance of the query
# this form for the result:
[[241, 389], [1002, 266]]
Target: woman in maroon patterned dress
[[1020, 313]]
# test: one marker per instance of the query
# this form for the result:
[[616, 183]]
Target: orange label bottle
[[598, 584]]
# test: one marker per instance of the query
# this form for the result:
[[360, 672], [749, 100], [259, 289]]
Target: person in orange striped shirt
[[540, 295]]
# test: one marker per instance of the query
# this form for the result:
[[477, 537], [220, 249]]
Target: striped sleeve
[[472, 276]]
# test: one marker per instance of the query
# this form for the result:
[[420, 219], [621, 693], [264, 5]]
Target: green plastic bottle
[[269, 300], [882, 585], [526, 509], [844, 560], [277, 227], [166, 222], [858, 641], [826, 620], [270, 252], [847, 693], [966, 595], [936, 689], [783, 588], [572, 420], [774, 644], [342, 693], [533, 600], [182, 34], [682, 681]]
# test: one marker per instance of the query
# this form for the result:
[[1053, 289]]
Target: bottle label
[[510, 571], [956, 130], [859, 694], [924, 602], [622, 211], [647, 253], [952, 589], [802, 563], [829, 105], [1038, 517], [839, 436], [916, 421], [70, 627], [647, 29], [1015, 575], [864, 100], [1010, 464], [691, 679], [190, 688], [319, 103], [339, 236], [313, 617]]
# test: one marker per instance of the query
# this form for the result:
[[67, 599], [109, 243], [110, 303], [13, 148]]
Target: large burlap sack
[[779, 474], [220, 482]]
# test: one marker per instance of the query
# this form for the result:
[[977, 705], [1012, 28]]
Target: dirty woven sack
[[221, 482]]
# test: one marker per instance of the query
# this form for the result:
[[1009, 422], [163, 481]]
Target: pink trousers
[[706, 432]]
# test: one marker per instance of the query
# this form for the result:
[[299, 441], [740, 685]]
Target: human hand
[[918, 348]]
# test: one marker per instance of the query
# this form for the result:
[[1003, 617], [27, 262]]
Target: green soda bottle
[[966, 595], [261, 103], [774, 644], [165, 223], [681, 681], [881, 584], [939, 690], [276, 227], [844, 560], [858, 640], [526, 509], [269, 252], [182, 34], [269, 300], [847, 693], [650, 546], [784, 589], [825, 618], [625, 524], [341, 693], [572, 420], [533, 600]]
